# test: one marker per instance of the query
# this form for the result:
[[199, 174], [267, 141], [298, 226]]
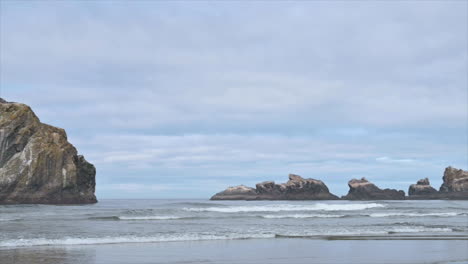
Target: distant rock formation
[[38, 164], [454, 187], [240, 192], [364, 190], [422, 187], [297, 188]]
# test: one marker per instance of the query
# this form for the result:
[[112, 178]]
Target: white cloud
[[392, 160]]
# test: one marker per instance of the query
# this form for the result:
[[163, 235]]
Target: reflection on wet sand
[[49, 255], [251, 251]]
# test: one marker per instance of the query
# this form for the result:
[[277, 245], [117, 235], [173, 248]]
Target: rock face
[[455, 180], [297, 188], [422, 187], [364, 190], [455, 185], [38, 164]]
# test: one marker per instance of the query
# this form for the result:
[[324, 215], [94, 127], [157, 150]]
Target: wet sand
[[254, 251]]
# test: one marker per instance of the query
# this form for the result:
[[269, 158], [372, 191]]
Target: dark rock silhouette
[[297, 188], [364, 190], [422, 187], [38, 164], [422, 190], [454, 187]]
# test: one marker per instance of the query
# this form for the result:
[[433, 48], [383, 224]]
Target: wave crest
[[414, 214], [123, 239], [287, 207], [301, 216]]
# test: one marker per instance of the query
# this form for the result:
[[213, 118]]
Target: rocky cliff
[[297, 188], [38, 164], [364, 190]]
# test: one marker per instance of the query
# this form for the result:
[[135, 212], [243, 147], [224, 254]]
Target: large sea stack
[[297, 188], [364, 190], [455, 180], [455, 185], [38, 164]]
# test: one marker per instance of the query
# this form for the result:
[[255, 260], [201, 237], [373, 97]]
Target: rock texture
[[455, 180], [297, 188], [455, 185], [38, 164], [364, 190], [422, 187]]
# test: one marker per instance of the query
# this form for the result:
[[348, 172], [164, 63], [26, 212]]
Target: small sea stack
[[423, 190], [37, 163], [364, 190], [297, 188], [422, 187]]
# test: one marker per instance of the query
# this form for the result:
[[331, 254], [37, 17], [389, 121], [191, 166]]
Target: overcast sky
[[183, 99]]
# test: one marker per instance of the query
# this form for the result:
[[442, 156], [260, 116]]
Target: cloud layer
[[204, 95]]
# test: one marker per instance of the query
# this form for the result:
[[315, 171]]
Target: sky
[[181, 99]]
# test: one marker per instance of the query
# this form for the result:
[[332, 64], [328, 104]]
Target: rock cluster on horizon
[[297, 188], [38, 164], [455, 186]]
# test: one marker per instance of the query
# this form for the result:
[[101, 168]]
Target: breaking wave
[[9, 219], [301, 216], [414, 214], [123, 239], [153, 217], [150, 217], [287, 207]]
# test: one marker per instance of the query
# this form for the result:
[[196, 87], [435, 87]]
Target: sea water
[[161, 221]]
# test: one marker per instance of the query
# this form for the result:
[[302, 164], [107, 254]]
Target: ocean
[[158, 227]]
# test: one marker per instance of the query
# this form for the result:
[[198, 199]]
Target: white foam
[[123, 239], [9, 219], [417, 229], [301, 216], [150, 217], [287, 207], [414, 214]]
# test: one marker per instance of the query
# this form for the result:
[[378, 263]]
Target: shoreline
[[389, 237], [249, 251]]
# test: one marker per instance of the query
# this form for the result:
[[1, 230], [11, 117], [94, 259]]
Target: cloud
[[135, 188], [391, 160]]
